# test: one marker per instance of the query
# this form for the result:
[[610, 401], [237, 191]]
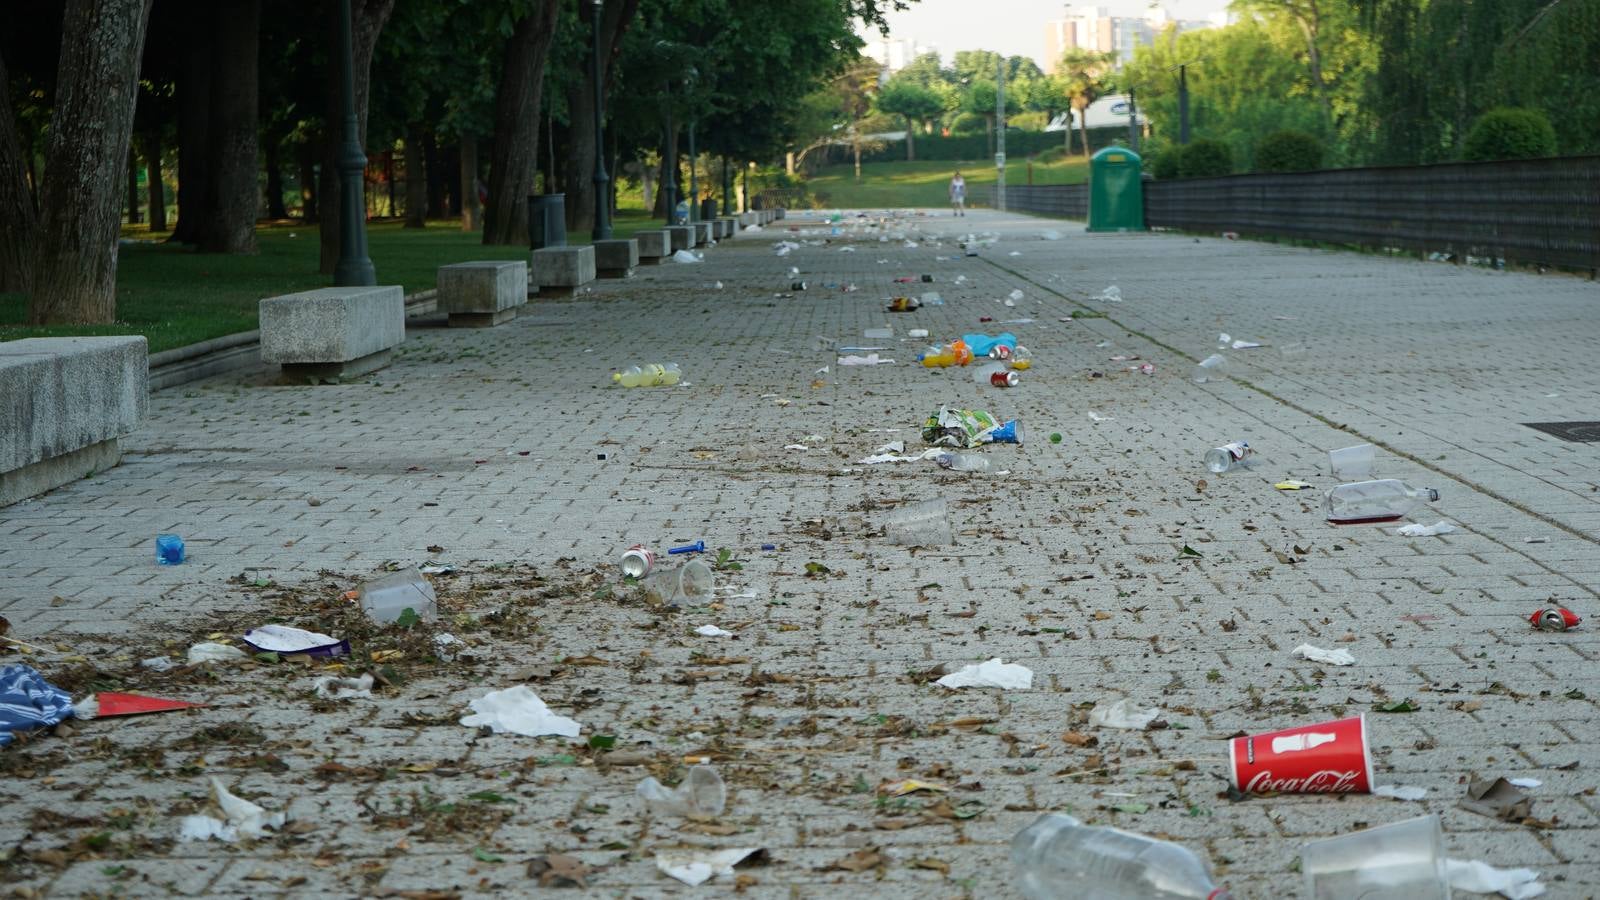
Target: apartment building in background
[[1094, 28], [895, 54]]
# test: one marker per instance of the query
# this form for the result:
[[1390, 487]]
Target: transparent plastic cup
[[1352, 463], [1212, 368], [695, 583], [925, 524], [1400, 861]]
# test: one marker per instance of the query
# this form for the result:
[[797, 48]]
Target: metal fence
[[1543, 211]]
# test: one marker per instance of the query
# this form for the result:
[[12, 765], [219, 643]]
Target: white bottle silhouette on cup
[[1293, 742]]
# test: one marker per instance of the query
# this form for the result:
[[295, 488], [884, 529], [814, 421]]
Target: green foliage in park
[[1289, 151], [1164, 163], [926, 183], [1510, 134], [1204, 157]]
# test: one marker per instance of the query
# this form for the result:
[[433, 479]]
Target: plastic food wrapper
[[698, 865], [1478, 877], [288, 639], [332, 687], [519, 711], [712, 631], [1400, 791], [702, 793], [1122, 714], [241, 818], [965, 428], [684, 256], [1416, 529], [1112, 294], [27, 701], [992, 674], [209, 652], [1340, 657]]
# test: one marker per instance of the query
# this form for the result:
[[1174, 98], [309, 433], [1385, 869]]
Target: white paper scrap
[[1122, 714], [1400, 791], [1525, 782], [712, 631], [1416, 529], [1339, 657], [213, 652], [519, 711], [287, 639], [892, 447], [1244, 345], [684, 256], [243, 819], [697, 866], [1478, 877], [994, 673]]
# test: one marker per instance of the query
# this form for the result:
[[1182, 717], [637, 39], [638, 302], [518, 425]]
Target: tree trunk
[[156, 188], [471, 212], [19, 211], [194, 114], [367, 18], [230, 223], [75, 274], [855, 145], [647, 185], [911, 141], [433, 162], [272, 158], [516, 143], [1083, 129], [988, 129], [416, 179], [615, 18], [306, 159], [133, 186]]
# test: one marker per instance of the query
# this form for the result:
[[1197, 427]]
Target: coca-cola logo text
[[1327, 781]]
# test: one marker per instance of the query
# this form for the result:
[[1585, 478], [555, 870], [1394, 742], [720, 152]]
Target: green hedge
[[1288, 151], [965, 147], [1505, 133]]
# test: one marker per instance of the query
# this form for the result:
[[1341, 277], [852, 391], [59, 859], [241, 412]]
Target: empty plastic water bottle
[[1229, 455], [1057, 857], [1375, 501], [652, 375], [963, 462]]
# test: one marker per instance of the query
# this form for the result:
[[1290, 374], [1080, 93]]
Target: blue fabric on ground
[[27, 701]]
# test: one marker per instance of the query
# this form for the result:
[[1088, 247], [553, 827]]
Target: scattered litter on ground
[[1340, 657], [1528, 783], [1419, 530], [991, 674], [28, 701], [698, 865], [702, 793], [1112, 294], [388, 599], [1124, 713], [1400, 791], [871, 359], [240, 818], [210, 652], [1497, 799], [1478, 877], [107, 704], [518, 710], [684, 256], [334, 687], [712, 631], [158, 664], [1292, 485], [286, 639]]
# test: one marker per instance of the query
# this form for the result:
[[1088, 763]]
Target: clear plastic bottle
[[1374, 501], [652, 375], [1229, 455], [1057, 857], [963, 462]]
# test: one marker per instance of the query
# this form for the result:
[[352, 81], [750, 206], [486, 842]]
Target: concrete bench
[[702, 234], [730, 226], [747, 218], [653, 245], [616, 258], [482, 294], [780, 213], [64, 405], [337, 332], [682, 237], [560, 271]]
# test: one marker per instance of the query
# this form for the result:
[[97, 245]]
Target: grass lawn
[[174, 296], [927, 184]]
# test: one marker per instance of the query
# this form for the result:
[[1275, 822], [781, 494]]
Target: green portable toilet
[[1116, 195]]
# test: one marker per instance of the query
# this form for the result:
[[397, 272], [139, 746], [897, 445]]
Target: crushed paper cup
[[991, 674], [287, 639], [1325, 758]]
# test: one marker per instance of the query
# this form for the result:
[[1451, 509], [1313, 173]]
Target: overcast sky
[[1010, 27]]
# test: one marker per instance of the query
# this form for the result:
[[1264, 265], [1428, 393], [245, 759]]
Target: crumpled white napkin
[[1416, 529], [994, 673], [519, 711], [1122, 714], [1339, 657], [1479, 877]]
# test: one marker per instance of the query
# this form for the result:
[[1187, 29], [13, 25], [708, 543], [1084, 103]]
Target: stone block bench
[[616, 258], [482, 294], [747, 218], [702, 234], [780, 213], [560, 271], [653, 245], [65, 403], [682, 237], [337, 332], [730, 226]]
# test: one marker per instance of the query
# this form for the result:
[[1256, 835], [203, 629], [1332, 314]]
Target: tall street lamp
[[354, 268], [602, 181]]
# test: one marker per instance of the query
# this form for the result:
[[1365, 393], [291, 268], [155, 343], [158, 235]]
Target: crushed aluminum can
[[1557, 619], [1004, 379], [1000, 351], [797, 286], [638, 561]]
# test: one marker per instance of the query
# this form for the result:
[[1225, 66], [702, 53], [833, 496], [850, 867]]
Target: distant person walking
[[958, 194]]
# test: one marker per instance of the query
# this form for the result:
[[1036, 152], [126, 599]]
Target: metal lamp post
[[1000, 136], [354, 268], [602, 181]]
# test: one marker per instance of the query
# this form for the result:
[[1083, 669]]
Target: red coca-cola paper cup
[[1327, 758]]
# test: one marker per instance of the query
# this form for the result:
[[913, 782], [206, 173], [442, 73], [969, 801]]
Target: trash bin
[[708, 209], [1116, 193], [547, 220]]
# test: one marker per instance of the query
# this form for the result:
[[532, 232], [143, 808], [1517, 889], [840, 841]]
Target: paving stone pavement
[[507, 453]]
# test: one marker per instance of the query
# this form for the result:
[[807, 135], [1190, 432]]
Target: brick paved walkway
[[508, 450]]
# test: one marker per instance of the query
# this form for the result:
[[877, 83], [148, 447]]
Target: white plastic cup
[[1352, 463], [1210, 369], [1400, 861]]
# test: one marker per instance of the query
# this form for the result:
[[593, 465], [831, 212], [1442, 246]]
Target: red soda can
[[638, 561], [1557, 619], [1004, 379], [986, 318], [1000, 351]]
